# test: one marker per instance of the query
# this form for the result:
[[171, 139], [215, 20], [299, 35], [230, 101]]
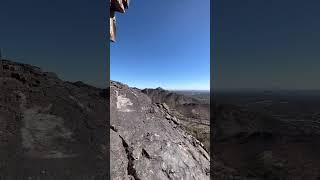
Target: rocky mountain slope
[[149, 142], [52, 129], [258, 146], [172, 99], [193, 114]]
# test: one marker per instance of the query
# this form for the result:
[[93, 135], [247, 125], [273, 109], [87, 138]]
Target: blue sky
[[164, 44], [271, 44], [68, 37]]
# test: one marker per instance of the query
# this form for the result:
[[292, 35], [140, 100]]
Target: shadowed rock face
[[50, 128], [172, 99], [187, 106], [148, 143]]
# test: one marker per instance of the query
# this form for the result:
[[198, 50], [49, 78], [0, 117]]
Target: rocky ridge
[[194, 115], [50, 128], [53, 129], [155, 145]]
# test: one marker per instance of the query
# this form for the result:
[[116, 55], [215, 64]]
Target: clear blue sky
[[163, 43]]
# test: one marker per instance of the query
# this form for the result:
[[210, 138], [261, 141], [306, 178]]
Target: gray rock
[[175, 120], [155, 148], [52, 128], [185, 111], [48, 128], [165, 106]]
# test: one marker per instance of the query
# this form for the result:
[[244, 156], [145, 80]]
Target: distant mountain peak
[[160, 88]]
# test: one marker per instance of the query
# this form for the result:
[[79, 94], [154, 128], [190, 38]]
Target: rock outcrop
[[172, 99], [50, 129], [193, 114], [153, 145]]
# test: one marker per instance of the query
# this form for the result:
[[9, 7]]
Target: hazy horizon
[[163, 86]]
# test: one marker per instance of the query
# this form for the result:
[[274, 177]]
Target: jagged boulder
[[153, 146]]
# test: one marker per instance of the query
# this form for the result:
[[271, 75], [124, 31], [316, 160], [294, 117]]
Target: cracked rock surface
[[49, 128], [191, 113], [154, 146], [52, 129]]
